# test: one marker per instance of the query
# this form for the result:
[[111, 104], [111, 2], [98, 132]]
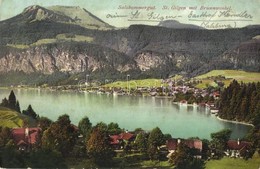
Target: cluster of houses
[[25, 138]]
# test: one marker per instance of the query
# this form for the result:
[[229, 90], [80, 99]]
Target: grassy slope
[[12, 119], [59, 38], [85, 19], [230, 75], [231, 163]]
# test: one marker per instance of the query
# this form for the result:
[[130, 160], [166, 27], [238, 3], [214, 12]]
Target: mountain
[[245, 56], [50, 40], [81, 17], [177, 25], [73, 57], [59, 14]]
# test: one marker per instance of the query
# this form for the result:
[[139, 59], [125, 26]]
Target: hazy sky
[[248, 11]]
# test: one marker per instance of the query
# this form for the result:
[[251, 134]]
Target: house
[[216, 95], [118, 141], [236, 148], [24, 138], [172, 145]]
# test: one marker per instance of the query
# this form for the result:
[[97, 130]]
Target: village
[[27, 138], [182, 91], [120, 144]]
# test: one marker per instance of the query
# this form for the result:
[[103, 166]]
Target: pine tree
[[30, 112], [4, 102], [17, 107], [12, 100]]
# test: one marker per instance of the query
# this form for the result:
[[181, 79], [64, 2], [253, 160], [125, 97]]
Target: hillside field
[[12, 119], [230, 75]]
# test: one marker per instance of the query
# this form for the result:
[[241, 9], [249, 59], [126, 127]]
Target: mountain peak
[[38, 13], [31, 8]]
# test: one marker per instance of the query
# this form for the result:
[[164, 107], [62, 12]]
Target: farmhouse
[[24, 138]]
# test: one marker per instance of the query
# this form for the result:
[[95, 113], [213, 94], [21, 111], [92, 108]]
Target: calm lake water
[[129, 112]]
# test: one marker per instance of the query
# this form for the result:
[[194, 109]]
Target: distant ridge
[[177, 25]]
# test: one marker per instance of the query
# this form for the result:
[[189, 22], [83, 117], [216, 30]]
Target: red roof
[[114, 139], [123, 136], [126, 136], [238, 145], [19, 135], [173, 143]]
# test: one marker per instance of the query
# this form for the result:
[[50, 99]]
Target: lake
[[130, 112]]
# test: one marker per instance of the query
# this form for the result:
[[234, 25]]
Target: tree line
[[13, 104], [240, 102]]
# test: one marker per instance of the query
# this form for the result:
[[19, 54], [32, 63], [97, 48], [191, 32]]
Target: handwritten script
[[210, 17]]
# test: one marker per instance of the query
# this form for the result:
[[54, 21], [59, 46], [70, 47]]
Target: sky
[[239, 13]]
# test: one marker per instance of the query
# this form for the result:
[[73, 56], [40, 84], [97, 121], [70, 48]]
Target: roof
[[126, 136], [19, 135], [114, 139], [172, 144], [21, 142], [238, 145], [123, 136]]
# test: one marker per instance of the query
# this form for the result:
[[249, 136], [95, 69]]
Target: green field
[[140, 83], [230, 75], [136, 83], [12, 119], [232, 163], [233, 74]]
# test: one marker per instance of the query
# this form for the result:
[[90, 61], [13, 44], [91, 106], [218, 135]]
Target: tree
[[85, 127], [44, 123], [5, 136], [45, 158], [155, 139], [60, 136], [141, 142], [12, 100], [11, 158], [183, 158], [17, 107], [219, 142], [30, 112], [4, 102], [102, 126], [98, 147], [254, 134], [167, 136], [113, 128]]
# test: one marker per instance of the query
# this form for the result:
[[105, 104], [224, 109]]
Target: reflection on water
[[128, 111]]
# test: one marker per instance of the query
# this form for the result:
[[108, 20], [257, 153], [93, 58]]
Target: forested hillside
[[240, 102]]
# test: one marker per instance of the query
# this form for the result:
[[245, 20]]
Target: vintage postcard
[[130, 84]]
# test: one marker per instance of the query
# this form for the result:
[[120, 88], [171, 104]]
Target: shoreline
[[236, 122]]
